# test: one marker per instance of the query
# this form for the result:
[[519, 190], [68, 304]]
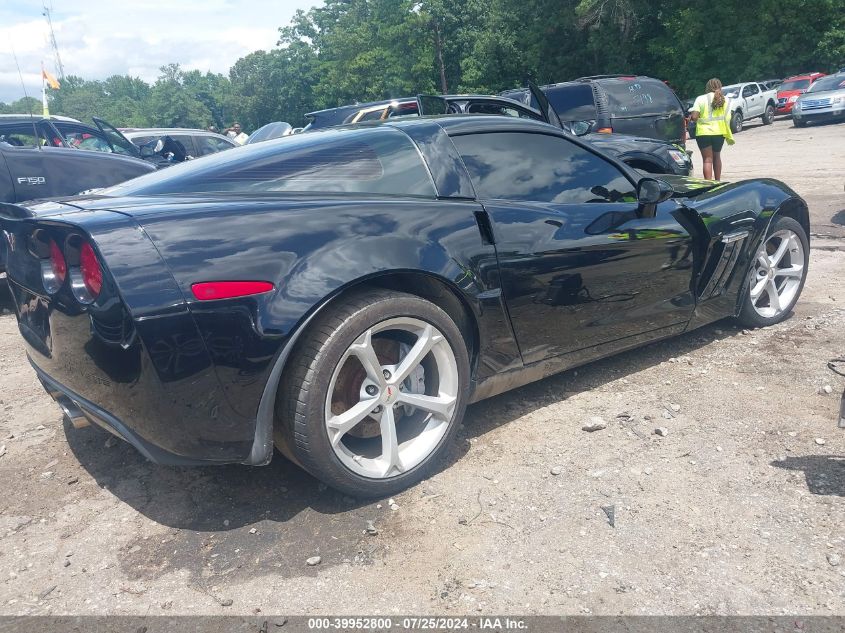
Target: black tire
[[748, 316], [300, 427], [769, 115], [736, 122], [798, 123]]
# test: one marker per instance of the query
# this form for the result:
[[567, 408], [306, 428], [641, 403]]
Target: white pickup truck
[[749, 101]]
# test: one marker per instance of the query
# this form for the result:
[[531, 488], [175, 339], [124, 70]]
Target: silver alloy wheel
[[777, 274], [412, 400]]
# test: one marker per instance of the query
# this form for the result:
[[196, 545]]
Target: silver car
[[196, 142], [823, 101]]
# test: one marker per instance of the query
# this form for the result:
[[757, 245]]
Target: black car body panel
[[542, 286]]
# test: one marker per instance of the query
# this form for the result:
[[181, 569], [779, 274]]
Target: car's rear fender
[[136, 351], [311, 261]]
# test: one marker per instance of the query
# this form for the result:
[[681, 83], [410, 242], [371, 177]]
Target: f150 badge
[[32, 180]]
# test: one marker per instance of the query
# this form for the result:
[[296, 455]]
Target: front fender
[[732, 220]]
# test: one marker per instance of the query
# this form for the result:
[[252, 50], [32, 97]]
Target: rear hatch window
[[633, 97], [379, 160]]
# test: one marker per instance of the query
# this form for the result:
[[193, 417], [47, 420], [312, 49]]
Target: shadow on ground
[[825, 474], [213, 509]]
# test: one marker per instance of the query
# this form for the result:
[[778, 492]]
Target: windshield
[[798, 84], [731, 91], [828, 83]]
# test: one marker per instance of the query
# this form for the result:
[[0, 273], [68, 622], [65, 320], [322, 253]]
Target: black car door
[[24, 152], [581, 264]]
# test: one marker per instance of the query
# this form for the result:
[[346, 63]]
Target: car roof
[[803, 76], [469, 123], [36, 117], [154, 130]]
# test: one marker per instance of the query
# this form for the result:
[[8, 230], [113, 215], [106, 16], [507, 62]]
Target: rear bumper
[[78, 409]]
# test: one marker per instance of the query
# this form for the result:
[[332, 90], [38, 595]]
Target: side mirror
[[650, 193]]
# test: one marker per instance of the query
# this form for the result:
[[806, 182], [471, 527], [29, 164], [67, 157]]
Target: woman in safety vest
[[712, 114]]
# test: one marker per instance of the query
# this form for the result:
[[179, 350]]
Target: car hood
[[688, 186], [790, 93], [623, 143], [826, 94]]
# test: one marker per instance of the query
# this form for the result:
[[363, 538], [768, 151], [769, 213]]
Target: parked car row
[[593, 108]]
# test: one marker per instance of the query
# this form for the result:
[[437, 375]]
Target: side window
[[540, 168], [502, 110], [211, 145], [84, 138], [21, 135], [572, 102], [142, 140], [750, 90], [186, 142]]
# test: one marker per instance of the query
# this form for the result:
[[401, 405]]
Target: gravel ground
[[738, 508]]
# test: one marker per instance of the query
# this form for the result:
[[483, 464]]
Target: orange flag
[[51, 81]]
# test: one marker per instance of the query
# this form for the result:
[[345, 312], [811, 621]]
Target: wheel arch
[[792, 207], [796, 209], [435, 288]]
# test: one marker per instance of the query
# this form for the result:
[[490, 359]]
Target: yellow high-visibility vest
[[713, 121]]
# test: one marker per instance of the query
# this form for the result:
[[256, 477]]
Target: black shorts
[[710, 140]]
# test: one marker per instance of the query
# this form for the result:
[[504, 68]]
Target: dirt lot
[[738, 510]]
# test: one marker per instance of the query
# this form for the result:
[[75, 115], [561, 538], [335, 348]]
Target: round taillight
[[53, 266], [92, 274], [57, 263]]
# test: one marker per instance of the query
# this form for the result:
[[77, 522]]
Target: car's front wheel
[[374, 394], [776, 277]]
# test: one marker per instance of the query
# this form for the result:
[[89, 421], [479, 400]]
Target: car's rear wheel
[[737, 122], [776, 277], [769, 115], [375, 393]]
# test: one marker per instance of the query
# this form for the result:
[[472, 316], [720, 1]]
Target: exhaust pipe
[[73, 414]]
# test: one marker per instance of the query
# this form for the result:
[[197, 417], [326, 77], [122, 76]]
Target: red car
[[791, 87]]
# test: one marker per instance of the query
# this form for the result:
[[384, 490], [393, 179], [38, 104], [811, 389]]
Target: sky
[[100, 38]]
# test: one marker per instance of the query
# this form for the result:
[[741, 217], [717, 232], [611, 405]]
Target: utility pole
[[47, 14]]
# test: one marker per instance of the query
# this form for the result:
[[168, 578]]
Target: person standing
[[236, 134], [712, 114]]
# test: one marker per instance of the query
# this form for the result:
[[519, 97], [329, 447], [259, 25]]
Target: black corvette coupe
[[345, 294]]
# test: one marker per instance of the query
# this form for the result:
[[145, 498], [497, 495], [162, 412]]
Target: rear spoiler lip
[[9, 211]]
